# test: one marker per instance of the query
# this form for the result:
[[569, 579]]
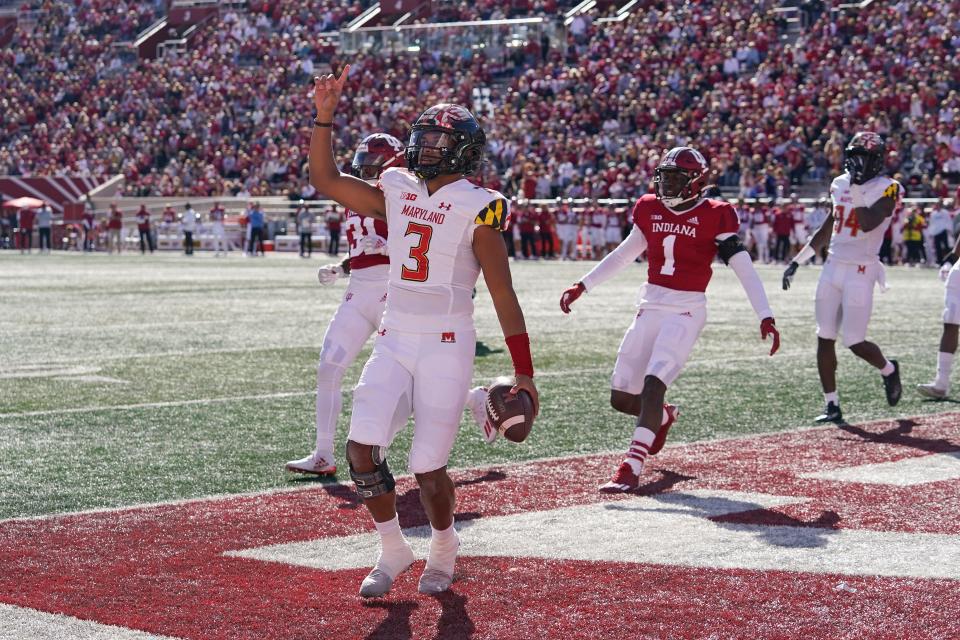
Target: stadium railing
[[495, 38]]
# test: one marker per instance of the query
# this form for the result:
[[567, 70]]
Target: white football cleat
[[379, 580], [318, 464], [477, 402], [434, 581], [932, 391]]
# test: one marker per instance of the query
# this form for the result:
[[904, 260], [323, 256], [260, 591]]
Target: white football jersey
[[849, 242], [432, 266]]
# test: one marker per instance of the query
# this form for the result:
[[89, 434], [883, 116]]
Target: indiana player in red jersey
[[444, 231], [363, 302], [682, 232], [864, 201]]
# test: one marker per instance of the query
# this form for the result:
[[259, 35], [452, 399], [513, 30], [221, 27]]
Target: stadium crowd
[[585, 119]]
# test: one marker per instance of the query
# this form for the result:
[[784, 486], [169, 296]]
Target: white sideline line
[[484, 467], [291, 394], [154, 405], [17, 623]]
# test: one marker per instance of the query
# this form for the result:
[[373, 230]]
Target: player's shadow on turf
[[396, 626], [900, 435], [782, 530], [454, 621], [482, 350], [769, 526]]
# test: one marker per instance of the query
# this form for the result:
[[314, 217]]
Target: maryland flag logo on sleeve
[[892, 191], [496, 215]]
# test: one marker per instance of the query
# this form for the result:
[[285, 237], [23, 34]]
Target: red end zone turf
[[163, 570]]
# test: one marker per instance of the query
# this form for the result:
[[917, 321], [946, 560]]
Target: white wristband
[[805, 254]]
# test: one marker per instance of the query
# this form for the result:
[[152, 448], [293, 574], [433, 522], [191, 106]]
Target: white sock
[[887, 369], [944, 365], [443, 549], [833, 397], [639, 448], [395, 552]]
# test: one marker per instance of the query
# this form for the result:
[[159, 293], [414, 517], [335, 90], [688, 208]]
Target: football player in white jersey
[[443, 232], [362, 307], [863, 205], [950, 273]]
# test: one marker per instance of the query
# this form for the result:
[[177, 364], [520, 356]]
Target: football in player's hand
[[511, 415]]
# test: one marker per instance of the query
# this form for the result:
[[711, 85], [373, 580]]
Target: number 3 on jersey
[[418, 252]]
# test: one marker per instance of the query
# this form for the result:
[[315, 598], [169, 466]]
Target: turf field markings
[[695, 540], [156, 405], [901, 473], [19, 623], [476, 468]]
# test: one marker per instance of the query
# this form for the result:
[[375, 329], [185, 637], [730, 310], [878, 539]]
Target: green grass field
[[126, 380]]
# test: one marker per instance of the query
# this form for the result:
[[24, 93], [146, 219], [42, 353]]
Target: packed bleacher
[[584, 117]]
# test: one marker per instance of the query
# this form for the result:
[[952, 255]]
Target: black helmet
[[455, 138], [863, 158]]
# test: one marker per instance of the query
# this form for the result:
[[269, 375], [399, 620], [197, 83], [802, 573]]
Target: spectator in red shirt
[[25, 224], [115, 225], [527, 222], [546, 220], [143, 226], [782, 226]]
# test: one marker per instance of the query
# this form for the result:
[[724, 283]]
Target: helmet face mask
[[377, 152], [680, 177], [445, 140], [863, 158]]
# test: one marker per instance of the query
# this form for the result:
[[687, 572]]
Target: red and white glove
[[329, 273], [373, 245], [570, 296], [768, 328]]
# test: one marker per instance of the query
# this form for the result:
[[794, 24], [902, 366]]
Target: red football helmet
[[377, 152], [681, 176]]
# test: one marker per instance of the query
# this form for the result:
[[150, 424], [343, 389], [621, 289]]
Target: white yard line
[[153, 405], [17, 623]]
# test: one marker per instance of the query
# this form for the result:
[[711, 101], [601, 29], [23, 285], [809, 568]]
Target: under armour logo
[[384, 298], [687, 314], [861, 268], [445, 206], [349, 297], [381, 332]]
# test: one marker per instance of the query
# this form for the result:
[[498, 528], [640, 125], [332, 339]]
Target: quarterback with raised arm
[[444, 231], [682, 232], [359, 313], [864, 202]]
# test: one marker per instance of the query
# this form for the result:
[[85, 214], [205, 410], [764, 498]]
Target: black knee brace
[[377, 482]]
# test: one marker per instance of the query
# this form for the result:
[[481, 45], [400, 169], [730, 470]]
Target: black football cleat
[[832, 414], [891, 384]]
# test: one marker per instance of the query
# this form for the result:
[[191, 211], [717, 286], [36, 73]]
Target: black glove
[[788, 274]]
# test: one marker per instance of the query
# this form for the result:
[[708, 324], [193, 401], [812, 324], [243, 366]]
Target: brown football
[[511, 415]]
